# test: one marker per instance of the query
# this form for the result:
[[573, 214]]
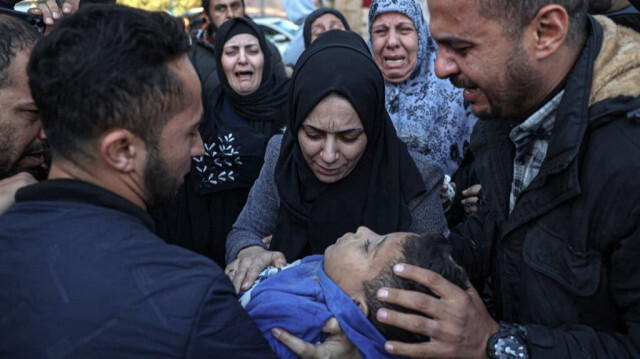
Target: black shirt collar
[[82, 192]]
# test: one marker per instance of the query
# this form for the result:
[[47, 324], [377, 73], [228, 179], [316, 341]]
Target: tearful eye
[[460, 49], [312, 136], [349, 139]]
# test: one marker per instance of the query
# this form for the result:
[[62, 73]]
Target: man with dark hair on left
[[23, 140], [82, 274]]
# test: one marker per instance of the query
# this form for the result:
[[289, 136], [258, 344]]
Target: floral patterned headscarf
[[429, 113]]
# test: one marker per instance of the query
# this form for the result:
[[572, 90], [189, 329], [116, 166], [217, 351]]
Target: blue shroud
[[301, 299]]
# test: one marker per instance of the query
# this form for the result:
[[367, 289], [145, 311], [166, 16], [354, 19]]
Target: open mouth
[[244, 75], [471, 90], [37, 152], [328, 171], [394, 60], [33, 159]]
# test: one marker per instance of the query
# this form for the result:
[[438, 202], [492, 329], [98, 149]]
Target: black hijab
[[267, 101], [376, 193], [306, 30]]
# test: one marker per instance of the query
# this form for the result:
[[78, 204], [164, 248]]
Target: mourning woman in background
[[429, 113], [320, 21], [244, 111], [339, 165]]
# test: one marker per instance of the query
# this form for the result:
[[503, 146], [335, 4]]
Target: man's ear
[[551, 26], [361, 302], [120, 149]]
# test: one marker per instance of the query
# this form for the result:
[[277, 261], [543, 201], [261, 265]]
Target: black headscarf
[[306, 30], [266, 102], [376, 193]]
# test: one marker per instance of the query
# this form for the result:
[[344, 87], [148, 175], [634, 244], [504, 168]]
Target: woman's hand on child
[[447, 192], [250, 262], [457, 322], [267, 240], [336, 346]]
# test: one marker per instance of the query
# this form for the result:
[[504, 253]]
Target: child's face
[[360, 257]]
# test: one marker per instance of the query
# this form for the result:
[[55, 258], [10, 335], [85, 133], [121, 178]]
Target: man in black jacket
[[620, 11], [607, 7], [557, 239], [203, 53]]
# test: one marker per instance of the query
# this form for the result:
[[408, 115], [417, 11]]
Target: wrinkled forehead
[[325, 18], [226, 2], [15, 71], [242, 40], [409, 8], [456, 19]]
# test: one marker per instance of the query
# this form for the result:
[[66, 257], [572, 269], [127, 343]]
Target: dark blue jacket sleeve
[[223, 329]]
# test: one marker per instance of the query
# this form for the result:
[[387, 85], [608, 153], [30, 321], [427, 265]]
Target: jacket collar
[[82, 192], [568, 132]]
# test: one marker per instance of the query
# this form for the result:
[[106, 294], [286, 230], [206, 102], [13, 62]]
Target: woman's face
[[394, 41], [332, 139], [242, 61], [325, 23]]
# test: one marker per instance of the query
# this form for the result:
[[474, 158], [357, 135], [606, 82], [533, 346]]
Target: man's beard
[[524, 85], [8, 168], [161, 186], [509, 98]]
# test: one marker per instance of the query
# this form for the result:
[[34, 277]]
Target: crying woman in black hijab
[[340, 165], [244, 111], [321, 21]]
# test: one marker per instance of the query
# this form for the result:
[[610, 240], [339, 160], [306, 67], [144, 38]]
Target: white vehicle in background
[[23, 6], [278, 30]]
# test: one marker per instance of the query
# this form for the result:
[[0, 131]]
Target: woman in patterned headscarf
[[428, 113]]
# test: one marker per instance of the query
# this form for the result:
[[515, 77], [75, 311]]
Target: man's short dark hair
[[206, 3], [15, 35], [107, 66], [430, 251], [513, 15]]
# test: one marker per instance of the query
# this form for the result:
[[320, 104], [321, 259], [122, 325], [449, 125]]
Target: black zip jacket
[[565, 263]]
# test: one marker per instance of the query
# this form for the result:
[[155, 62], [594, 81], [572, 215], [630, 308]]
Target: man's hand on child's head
[[51, 12], [457, 322], [336, 346]]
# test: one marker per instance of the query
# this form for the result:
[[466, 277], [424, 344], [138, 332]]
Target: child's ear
[[361, 302]]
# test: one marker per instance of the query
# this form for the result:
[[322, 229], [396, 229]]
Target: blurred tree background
[[174, 7], [177, 7]]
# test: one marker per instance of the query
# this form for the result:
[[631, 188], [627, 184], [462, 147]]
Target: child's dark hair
[[430, 251]]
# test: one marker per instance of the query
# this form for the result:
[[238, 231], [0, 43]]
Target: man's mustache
[[462, 83], [36, 148]]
